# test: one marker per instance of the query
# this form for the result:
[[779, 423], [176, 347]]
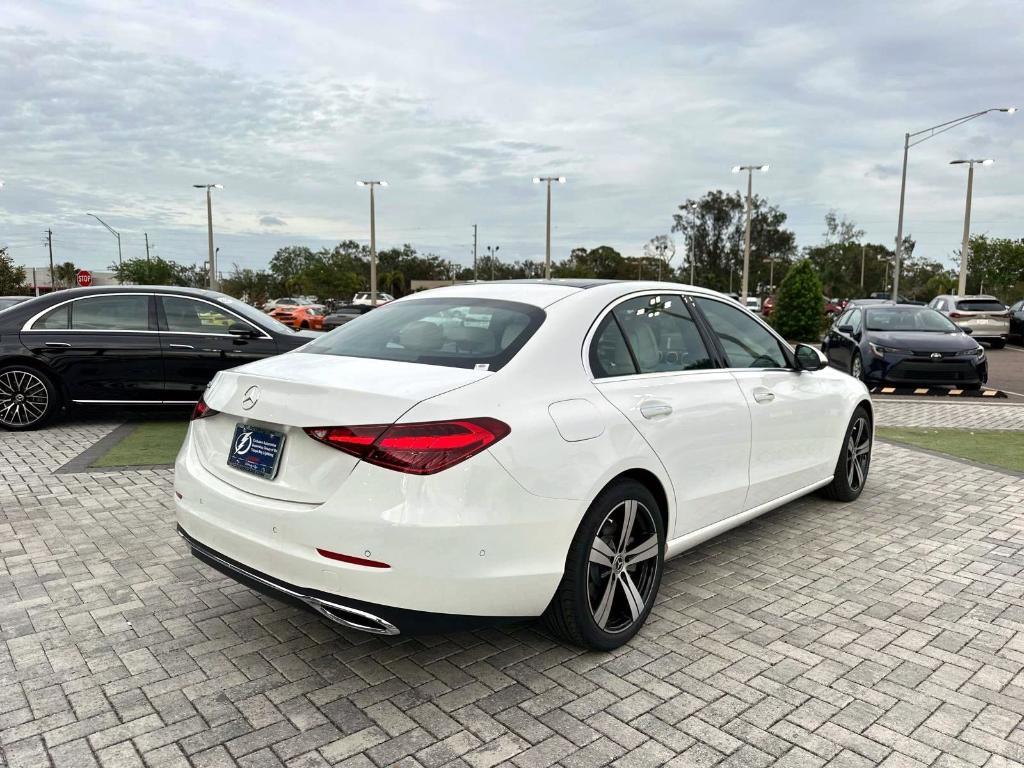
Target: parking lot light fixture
[[746, 237], [214, 284], [912, 140], [547, 240], [110, 229], [371, 183], [966, 244]]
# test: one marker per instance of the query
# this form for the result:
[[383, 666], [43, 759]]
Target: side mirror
[[966, 329], [241, 331], [809, 359], [847, 329]]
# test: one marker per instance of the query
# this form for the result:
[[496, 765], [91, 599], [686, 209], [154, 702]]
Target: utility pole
[[147, 245], [966, 246], [209, 232], [862, 266], [49, 244], [746, 237], [474, 254], [373, 237], [547, 239]]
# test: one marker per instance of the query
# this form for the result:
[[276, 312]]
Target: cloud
[[271, 221]]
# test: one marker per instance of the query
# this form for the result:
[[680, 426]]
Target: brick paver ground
[[888, 631], [932, 412]]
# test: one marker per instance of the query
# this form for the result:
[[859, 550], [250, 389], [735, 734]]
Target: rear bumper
[[345, 611], [467, 542]]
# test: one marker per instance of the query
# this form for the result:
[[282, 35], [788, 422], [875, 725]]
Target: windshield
[[261, 319], [980, 305], [459, 333], [913, 319]]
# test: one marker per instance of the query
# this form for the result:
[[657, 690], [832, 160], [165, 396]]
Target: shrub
[[799, 313]]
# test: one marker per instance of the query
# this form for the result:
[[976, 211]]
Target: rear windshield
[[453, 332], [980, 305], [918, 319]]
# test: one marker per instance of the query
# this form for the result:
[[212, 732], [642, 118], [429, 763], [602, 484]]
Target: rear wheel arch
[[651, 482]]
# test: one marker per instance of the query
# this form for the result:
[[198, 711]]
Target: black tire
[[848, 483], [616, 617], [304, 324], [973, 387], [998, 343], [28, 398], [857, 367]]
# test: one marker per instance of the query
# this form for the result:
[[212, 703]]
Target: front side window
[[661, 334], [747, 343], [459, 333], [125, 312], [844, 319], [184, 315], [856, 318]]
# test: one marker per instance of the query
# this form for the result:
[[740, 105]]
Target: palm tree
[[65, 275]]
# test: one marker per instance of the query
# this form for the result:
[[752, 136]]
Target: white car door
[[693, 415], [792, 412]]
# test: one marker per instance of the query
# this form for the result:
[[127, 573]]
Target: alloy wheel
[[23, 398], [858, 454], [623, 566]]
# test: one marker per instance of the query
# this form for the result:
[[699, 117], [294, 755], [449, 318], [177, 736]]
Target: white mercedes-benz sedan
[[508, 450]]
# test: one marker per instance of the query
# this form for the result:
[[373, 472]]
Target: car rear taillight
[[202, 410], [956, 314], [416, 449]]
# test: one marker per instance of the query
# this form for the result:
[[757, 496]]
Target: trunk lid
[[300, 390]]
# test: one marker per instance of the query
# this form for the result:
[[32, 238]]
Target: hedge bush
[[799, 313]]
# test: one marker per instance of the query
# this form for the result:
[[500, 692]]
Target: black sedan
[[904, 345], [342, 315], [126, 345]]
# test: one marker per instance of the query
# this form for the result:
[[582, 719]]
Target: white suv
[[986, 316], [362, 299]]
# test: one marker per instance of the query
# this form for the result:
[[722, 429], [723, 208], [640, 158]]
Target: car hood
[[923, 342]]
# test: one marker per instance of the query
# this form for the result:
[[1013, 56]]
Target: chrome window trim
[[26, 328]]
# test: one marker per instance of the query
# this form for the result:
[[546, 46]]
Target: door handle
[[181, 346], [654, 410], [763, 395], [58, 344]]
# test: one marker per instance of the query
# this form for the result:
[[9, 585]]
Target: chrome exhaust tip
[[352, 618]]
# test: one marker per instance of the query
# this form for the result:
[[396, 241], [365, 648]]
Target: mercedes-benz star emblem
[[251, 397]]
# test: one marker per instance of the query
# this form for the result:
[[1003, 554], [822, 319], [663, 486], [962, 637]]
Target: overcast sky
[[118, 108]]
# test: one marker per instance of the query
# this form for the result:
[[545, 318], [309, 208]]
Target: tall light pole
[[112, 231], [547, 241], [912, 140], [214, 284], [692, 208], [966, 246], [492, 255], [373, 236], [746, 237]]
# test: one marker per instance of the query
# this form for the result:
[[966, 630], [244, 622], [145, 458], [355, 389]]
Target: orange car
[[300, 317]]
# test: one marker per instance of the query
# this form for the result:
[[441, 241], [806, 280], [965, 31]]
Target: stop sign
[[84, 278]]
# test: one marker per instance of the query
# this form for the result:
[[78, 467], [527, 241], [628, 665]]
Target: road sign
[[84, 278]]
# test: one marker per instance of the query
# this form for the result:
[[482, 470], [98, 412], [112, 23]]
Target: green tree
[[11, 277], [995, 266], [603, 262], [65, 275], [799, 310], [154, 271], [714, 229]]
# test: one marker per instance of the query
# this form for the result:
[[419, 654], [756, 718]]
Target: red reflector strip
[[353, 560]]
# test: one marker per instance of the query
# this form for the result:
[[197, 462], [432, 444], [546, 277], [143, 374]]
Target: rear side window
[[127, 312], [453, 332], [55, 320], [980, 305], [661, 334], [609, 355], [747, 343]]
